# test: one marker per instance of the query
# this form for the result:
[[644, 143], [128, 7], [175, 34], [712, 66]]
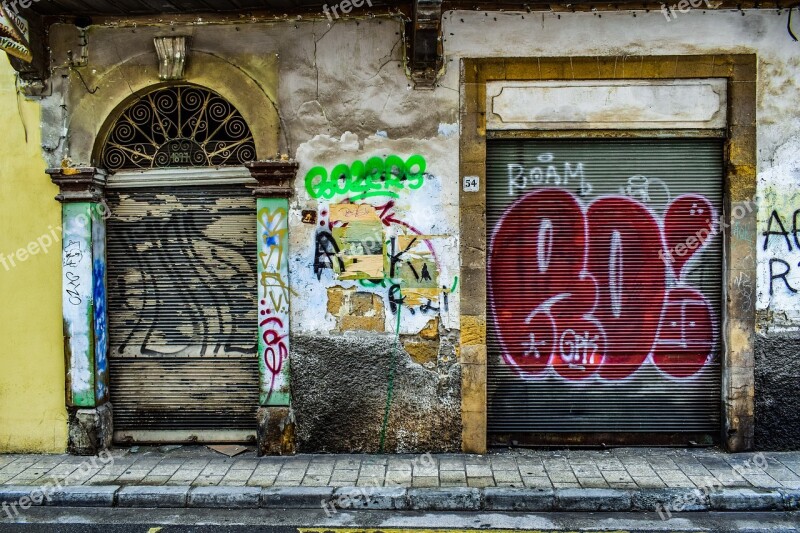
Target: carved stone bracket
[[275, 178], [80, 184], [425, 52]]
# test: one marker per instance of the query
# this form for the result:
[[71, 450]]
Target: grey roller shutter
[[182, 308], [596, 324]]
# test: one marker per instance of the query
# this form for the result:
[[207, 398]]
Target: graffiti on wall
[[377, 177], [598, 296], [99, 302], [273, 301], [371, 243], [77, 287], [782, 238], [777, 235], [173, 259]]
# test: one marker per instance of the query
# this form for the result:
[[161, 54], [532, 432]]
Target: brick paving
[[623, 468]]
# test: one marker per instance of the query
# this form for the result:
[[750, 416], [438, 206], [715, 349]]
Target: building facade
[[411, 228]]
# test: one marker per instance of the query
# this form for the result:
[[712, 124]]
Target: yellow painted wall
[[32, 413]]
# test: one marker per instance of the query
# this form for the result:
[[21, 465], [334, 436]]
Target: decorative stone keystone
[[83, 214], [172, 52], [275, 416]]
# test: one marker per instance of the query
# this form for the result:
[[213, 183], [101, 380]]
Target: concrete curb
[[590, 500], [333, 500], [83, 496], [296, 497], [791, 499], [225, 497], [511, 499], [153, 496], [740, 499], [691, 500], [371, 498], [445, 499]]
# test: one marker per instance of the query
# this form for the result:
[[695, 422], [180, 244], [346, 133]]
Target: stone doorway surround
[[738, 317]]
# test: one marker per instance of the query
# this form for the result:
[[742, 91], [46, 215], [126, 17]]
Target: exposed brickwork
[[356, 311]]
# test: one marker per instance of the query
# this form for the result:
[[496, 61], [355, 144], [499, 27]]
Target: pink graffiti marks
[[387, 216], [273, 303], [587, 292], [275, 350]]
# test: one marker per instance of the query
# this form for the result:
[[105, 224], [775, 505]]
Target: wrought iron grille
[[178, 126]]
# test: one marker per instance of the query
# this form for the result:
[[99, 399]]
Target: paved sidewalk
[[625, 479], [622, 468]]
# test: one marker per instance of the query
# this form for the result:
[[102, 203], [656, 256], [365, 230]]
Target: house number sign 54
[[471, 183]]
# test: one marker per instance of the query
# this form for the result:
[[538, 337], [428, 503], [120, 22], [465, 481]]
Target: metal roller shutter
[[601, 327], [182, 309]]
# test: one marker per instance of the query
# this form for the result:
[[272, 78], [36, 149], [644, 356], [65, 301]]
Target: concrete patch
[[340, 381]]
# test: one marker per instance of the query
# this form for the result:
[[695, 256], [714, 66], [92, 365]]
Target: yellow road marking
[[415, 530]]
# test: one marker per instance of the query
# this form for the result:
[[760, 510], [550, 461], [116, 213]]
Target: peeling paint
[[413, 233]]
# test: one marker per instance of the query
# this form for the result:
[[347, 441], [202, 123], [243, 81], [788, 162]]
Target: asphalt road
[[115, 520]]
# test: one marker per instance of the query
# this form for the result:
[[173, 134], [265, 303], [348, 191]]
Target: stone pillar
[[275, 416], [83, 293]]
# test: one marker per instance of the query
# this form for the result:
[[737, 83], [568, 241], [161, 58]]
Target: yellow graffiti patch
[[414, 297], [353, 213], [362, 267]]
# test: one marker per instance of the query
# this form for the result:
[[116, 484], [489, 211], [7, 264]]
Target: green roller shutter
[[604, 280]]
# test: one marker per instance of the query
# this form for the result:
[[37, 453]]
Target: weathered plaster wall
[[343, 97], [32, 413], [377, 289], [778, 343]]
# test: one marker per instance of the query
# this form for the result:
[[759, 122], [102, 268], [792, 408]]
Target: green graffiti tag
[[376, 177]]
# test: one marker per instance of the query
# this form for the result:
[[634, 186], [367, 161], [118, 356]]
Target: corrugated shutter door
[[604, 314], [182, 308]]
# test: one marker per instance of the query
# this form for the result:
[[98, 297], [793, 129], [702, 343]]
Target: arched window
[[177, 126]]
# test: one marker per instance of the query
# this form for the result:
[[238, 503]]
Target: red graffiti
[[275, 352], [588, 291]]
